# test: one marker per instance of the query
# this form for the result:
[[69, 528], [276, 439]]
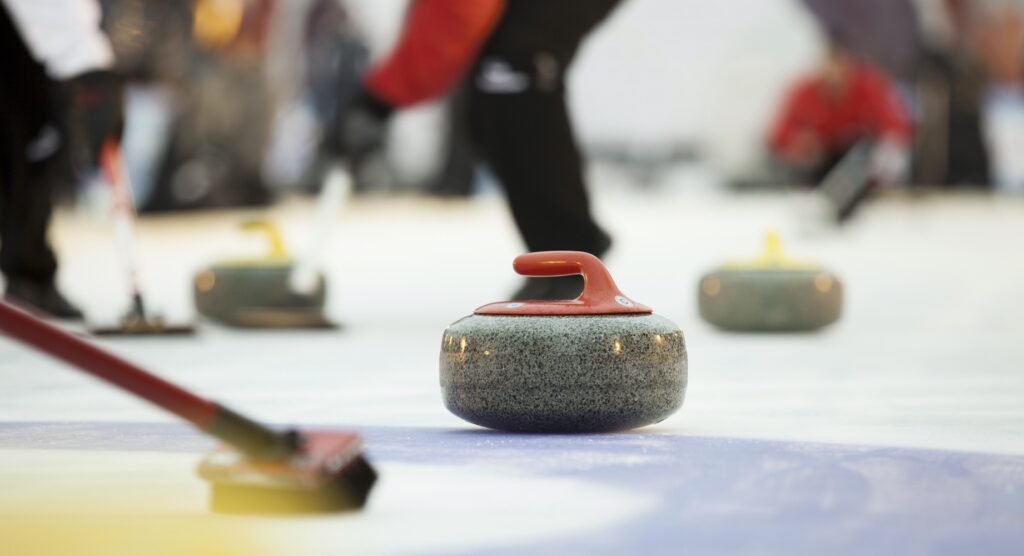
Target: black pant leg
[[26, 205], [26, 192], [520, 123], [459, 167], [528, 142]]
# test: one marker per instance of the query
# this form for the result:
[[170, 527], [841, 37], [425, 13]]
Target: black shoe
[[41, 297], [560, 288]]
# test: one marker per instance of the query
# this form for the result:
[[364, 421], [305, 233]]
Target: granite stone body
[[255, 296], [770, 300], [594, 373]]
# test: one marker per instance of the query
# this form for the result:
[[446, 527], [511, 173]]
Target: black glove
[[95, 115], [360, 129]]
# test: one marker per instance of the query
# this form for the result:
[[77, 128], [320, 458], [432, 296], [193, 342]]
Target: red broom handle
[[106, 366]]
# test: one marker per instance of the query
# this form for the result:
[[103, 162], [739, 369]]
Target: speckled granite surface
[[255, 296], [770, 300], [563, 374]]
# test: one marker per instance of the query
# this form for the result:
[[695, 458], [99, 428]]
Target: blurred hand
[[360, 129], [804, 151], [890, 162], [95, 114]]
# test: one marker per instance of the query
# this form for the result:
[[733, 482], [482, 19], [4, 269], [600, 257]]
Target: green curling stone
[[256, 293], [770, 294]]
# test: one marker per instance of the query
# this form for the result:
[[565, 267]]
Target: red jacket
[[869, 106], [439, 42]]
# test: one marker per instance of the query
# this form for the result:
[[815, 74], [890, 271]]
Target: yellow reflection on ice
[[823, 283], [74, 534], [711, 286], [205, 281]]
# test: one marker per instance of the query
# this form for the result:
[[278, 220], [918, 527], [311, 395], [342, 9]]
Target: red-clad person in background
[[512, 57], [846, 102]]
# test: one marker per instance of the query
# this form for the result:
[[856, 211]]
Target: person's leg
[[530, 147], [459, 167], [520, 122], [27, 261], [520, 126], [26, 204], [26, 183], [12, 171]]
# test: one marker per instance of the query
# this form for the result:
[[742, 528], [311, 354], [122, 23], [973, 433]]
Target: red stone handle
[[600, 294], [597, 282]]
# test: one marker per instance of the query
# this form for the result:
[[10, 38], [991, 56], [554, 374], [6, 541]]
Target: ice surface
[[927, 356]]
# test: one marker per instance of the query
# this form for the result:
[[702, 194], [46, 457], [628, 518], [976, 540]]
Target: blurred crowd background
[[228, 98]]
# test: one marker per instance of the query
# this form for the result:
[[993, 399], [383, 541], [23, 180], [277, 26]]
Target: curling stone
[[599, 363], [259, 292], [770, 294]]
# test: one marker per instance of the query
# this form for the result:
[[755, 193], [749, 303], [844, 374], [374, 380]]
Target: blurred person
[[332, 58], [517, 53], [59, 99], [199, 98], [844, 103], [949, 90], [1000, 33], [458, 163], [1000, 38]]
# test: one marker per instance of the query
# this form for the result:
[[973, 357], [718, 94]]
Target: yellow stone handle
[[772, 252], [273, 235], [772, 257]]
